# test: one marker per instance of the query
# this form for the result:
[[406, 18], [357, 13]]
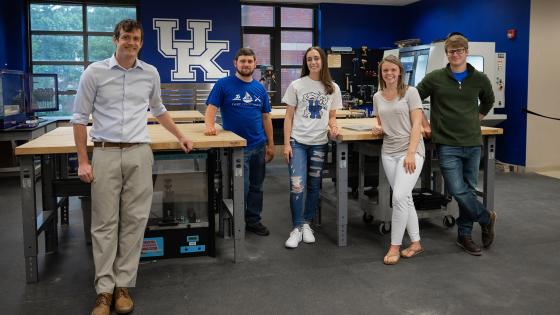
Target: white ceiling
[[368, 2]]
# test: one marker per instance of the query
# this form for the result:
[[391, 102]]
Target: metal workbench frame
[[25, 134], [53, 170], [487, 193]]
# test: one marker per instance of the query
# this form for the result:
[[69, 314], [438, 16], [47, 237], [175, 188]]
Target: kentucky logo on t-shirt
[[316, 103]]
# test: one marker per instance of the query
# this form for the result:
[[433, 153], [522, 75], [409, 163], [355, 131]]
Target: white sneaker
[[294, 239], [308, 234]]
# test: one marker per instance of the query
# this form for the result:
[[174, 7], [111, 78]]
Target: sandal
[[409, 252], [391, 259]]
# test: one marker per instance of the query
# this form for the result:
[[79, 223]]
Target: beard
[[245, 73]]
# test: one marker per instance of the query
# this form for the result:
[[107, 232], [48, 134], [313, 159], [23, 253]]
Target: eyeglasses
[[458, 51]]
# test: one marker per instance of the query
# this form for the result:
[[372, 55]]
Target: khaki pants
[[121, 193]]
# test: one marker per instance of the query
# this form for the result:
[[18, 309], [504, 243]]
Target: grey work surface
[[24, 134], [519, 275], [13, 134]]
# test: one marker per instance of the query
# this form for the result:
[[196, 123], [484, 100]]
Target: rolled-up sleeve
[[83, 103], [156, 104]]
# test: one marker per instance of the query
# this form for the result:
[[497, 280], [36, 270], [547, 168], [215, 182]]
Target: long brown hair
[[401, 87], [325, 74]]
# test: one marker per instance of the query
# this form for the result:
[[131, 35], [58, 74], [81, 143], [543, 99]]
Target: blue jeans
[[253, 178], [459, 166], [306, 171]]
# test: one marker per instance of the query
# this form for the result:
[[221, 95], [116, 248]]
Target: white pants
[[404, 213], [121, 195]]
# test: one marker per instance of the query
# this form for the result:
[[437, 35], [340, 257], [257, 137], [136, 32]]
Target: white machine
[[419, 60]]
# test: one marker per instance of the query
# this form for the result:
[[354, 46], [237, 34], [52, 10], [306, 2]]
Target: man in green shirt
[[454, 93]]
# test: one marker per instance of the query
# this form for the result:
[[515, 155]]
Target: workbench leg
[[383, 194], [489, 171], [213, 202], [29, 217], [226, 161], [225, 227], [426, 174], [361, 173], [342, 191], [238, 204], [63, 173], [48, 173]]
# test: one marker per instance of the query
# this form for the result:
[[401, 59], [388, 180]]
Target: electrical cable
[[537, 114]]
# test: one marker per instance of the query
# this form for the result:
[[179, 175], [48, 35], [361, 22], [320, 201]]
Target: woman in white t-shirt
[[311, 102], [398, 108]]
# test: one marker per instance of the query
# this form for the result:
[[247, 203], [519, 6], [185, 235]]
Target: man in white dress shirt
[[117, 92]]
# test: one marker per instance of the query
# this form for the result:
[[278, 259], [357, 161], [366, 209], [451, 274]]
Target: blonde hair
[[456, 41], [401, 87]]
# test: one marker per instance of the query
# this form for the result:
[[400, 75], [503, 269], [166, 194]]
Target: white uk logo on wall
[[198, 52]]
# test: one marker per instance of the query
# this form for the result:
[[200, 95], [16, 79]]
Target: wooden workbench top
[[351, 135], [61, 140], [178, 116], [181, 116], [280, 113]]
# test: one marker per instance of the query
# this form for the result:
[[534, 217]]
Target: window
[[279, 35], [65, 38], [255, 15], [476, 61]]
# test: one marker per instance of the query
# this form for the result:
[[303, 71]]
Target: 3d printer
[[23, 95], [12, 98]]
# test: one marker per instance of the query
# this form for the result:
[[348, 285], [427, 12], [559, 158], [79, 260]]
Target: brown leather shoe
[[102, 304], [488, 230], [123, 301], [466, 243]]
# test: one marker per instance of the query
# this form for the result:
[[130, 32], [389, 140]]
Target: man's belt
[[121, 145]]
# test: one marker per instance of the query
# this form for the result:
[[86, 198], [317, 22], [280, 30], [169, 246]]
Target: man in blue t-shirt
[[245, 110]]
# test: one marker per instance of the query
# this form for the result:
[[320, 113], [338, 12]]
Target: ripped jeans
[[306, 170]]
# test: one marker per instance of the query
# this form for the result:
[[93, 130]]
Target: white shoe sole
[[290, 247]]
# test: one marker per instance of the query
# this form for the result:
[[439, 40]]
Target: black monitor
[[44, 92]]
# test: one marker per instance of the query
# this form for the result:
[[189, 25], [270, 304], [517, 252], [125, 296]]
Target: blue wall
[[482, 20], [226, 25], [13, 51], [341, 25], [358, 25], [3, 52]]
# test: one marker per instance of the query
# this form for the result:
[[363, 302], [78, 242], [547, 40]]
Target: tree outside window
[[66, 38]]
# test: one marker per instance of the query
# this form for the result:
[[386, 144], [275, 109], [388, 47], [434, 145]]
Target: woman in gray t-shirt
[[398, 108]]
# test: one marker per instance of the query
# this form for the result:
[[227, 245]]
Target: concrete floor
[[553, 174], [519, 275]]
